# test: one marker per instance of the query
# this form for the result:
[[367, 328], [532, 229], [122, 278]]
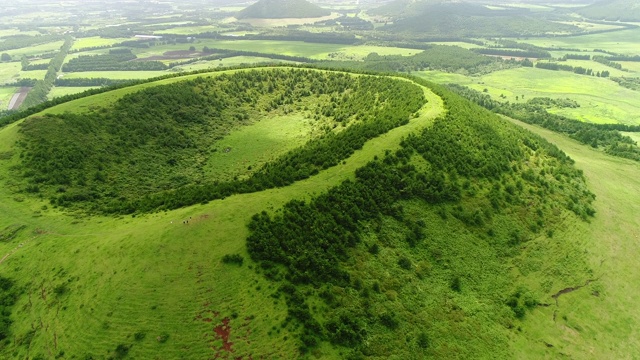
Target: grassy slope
[[600, 320], [152, 274]]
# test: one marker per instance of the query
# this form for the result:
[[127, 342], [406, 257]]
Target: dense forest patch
[[413, 257], [150, 150]]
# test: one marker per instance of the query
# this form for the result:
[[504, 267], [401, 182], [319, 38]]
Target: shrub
[[233, 259]]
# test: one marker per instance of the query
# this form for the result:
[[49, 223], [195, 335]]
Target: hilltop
[[281, 9]]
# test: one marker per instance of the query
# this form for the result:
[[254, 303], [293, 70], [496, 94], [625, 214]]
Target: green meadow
[[9, 72], [36, 50], [95, 41], [624, 42], [58, 91], [291, 48], [601, 100], [598, 320], [188, 30]]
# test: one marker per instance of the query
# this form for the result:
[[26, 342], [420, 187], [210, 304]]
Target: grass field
[[6, 93], [58, 91], [624, 42], [291, 48], [600, 320], [188, 30], [94, 41], [631, 65], [232, 61], [596, 66], [463, 45], [36, 50], [601, 100], [117, 75], [9, 72], [154, 275], [252, 146], [16, 31]]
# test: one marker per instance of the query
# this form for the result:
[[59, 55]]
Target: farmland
[[624, 42], [601, 100]]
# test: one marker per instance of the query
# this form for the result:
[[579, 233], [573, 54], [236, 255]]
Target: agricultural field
[[188, 30], [463, 45], [623, 42], [116, 75], [601, 100], [598, 67], [6, 93], [36, 50], [291, 48], [9, 72], [95, 41], [231, 61], [58, 91]]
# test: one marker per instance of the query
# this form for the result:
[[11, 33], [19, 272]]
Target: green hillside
[[612, 10], [282, 9], [435, 229]]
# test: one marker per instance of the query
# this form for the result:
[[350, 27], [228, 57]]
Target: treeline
[[111, 62], [608, 62], [539, 54], [306, 247], [629, 83], [225, 53], [156, 131], [297, 35], [38, 94], [577, 69], [437, 57], [605, 136], [576, 57], [635, 58], [87, 82], [26, 66]]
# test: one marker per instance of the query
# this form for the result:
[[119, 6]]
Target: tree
[[5, 57]]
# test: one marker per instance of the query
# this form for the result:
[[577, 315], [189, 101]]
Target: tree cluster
[[111, 62]]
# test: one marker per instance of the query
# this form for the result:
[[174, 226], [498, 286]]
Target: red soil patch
[[223, 332]]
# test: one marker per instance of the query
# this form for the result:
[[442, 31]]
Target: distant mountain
[[448, 18], [281, 9], [623, 10]]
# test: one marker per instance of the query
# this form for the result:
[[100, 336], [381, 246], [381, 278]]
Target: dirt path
[[18, 98]]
